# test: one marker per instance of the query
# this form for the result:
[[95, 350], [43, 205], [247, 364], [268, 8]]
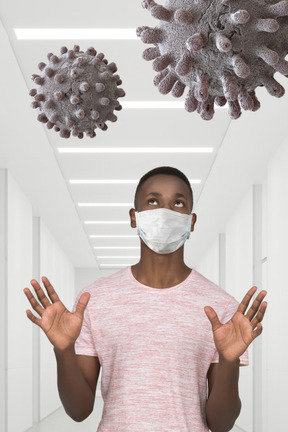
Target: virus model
[[221, 49], [77, 92]]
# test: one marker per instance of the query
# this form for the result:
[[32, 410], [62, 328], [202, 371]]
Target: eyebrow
[[176, 195]]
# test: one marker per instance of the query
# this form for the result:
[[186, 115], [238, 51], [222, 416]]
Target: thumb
[[82, 303], [213, 317]]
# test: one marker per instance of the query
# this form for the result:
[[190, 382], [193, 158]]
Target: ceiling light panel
[[112, 230], [75, 33], [114, 241], [135, 150], [116, 248]]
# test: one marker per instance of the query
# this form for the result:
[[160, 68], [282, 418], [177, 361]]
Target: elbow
[[225, 422], [79, 416]]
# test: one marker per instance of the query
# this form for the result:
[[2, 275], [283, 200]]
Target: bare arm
[[77, 375], [223, 405], [231, 340], [77, 380]]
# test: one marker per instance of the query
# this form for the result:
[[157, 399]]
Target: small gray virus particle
[[77, 92], [220, 49]]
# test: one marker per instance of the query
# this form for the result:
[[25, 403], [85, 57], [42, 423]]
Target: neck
[[160, 271]]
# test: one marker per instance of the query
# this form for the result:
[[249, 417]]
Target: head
[[163, 187]]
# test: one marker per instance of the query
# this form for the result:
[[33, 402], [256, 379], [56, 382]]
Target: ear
[[194, 219], [132, 218]]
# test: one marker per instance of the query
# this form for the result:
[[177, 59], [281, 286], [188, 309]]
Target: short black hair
[[164, 170]]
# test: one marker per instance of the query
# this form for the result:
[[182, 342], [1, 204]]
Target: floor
[[59, 421]]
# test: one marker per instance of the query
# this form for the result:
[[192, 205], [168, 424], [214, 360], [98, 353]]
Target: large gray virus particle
[[77, 92], [221, 49]]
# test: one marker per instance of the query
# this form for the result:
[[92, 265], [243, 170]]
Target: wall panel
[[19, 329]]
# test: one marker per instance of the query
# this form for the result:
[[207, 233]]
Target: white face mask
[[162, 230]]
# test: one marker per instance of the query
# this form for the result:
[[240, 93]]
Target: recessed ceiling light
[[106, 222], [102, 181], [115, 247], [113, 236], [75, 33], [115, 265], [157, 105], [152, 104], [105, 204], [118, 257], [135, 149]]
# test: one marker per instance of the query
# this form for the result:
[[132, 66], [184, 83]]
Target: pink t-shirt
[[155, 347]]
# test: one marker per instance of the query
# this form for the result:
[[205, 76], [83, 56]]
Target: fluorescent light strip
[[106, 222], [118, 257], [107, 182], [105, 204], [115, 265], [102, 181], [75, 33], [113, 236], [152, 104], [116, 247], [135, 149], [158, 105]]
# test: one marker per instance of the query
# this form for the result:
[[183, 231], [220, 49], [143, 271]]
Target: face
[[164, 191]]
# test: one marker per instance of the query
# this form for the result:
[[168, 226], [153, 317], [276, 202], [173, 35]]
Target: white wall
[[25, 393], [60, 272], [210, 263], [239, 278], [256, 252], [232, 252], [86, 276], [277, 281], [3, 299], [16, 264]]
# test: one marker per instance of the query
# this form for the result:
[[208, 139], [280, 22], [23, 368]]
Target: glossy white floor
[[59, 421]]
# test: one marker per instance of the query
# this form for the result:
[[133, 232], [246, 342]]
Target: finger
[[35, 305], [213, 317], [260, 315], [40, 294], [246, 300], [255, 305], [82, 304], [257, 332], [32, 318], [50, 290]]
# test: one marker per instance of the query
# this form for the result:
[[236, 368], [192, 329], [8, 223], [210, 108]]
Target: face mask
[[162, 230]]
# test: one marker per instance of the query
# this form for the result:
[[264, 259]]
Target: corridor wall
[[28, 367], [277, 285], [60, 272], [232, 251], [256, 238], [17, 343]]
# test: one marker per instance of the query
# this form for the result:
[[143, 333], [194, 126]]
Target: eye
[[152, 201], [179, 204]]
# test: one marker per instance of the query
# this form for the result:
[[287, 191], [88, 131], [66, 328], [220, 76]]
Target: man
[[147, 327]]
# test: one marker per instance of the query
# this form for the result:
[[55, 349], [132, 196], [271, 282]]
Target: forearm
[[224, 405], [75, 393]]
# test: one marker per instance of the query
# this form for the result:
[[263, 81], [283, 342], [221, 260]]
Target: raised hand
[[233, 338], [61, 326]]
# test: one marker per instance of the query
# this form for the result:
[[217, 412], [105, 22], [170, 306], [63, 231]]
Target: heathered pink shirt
[[155, 347]]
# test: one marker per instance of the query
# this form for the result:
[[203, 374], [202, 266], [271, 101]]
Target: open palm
[[61, 326], [233, 338]]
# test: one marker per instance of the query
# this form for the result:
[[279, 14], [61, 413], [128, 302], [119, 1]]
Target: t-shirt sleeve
[[85, 344], [227, 315]]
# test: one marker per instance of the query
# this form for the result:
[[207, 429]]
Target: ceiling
[[241, 148]]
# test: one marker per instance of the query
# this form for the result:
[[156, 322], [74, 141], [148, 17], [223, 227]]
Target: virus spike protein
[[77, 92], [221, 50]]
